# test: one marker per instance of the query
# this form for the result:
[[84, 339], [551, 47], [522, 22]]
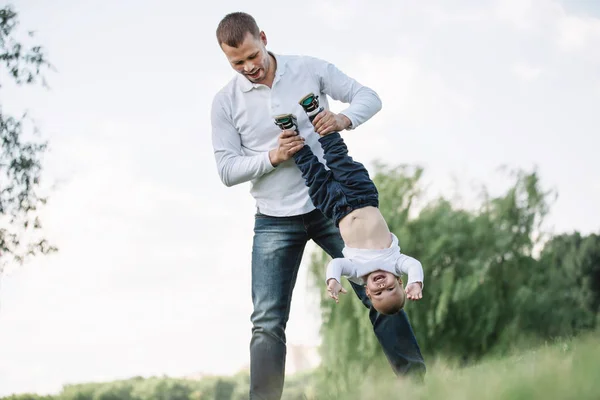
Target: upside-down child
[[346, 194]]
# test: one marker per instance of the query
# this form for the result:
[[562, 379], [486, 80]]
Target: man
[[248, 146]]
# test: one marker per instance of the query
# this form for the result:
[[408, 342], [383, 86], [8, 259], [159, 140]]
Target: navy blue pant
[[341, 189]]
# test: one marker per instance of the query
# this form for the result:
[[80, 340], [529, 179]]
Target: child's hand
[[334, 287], [414, 291]]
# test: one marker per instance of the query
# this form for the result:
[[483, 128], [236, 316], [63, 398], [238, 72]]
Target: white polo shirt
[[243, 128]]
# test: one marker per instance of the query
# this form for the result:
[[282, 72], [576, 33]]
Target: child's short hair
[[390, 304]]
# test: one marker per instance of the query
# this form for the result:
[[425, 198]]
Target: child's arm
[[339, 267], [414, 270], [335, 269], [411, 267]]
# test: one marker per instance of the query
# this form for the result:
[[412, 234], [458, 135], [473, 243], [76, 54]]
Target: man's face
[[251, 58]]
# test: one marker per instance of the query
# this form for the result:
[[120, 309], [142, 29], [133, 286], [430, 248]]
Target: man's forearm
[[364, 105], [274, 157], [235, 169], [363, 102], [233, 165], [347, 123]]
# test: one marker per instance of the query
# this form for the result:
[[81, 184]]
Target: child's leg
[[323, 190], [352, 175]]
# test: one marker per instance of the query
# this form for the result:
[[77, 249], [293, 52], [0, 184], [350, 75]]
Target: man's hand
[[326, 122], [288, 144], [414, 291], [334, 287]]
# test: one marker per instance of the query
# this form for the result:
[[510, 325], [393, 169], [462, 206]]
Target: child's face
[[385, 291]]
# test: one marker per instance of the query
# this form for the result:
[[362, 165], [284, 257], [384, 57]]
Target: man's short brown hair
[[233, 29]]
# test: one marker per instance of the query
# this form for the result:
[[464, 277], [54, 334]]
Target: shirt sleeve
[[410, 267], [363, 101], [339, 267], [233, 166]]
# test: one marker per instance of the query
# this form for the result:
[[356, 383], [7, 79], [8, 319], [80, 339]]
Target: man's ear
[[368, 292], [400, 281]]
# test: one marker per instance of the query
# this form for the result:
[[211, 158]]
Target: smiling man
[[249, 147]]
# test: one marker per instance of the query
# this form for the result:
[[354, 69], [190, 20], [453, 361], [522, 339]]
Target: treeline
[[167, 388], [494, 280]]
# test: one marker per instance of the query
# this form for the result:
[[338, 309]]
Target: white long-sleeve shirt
[[243, 128], [358, 263]]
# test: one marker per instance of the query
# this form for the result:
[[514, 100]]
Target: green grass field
[[563, 370]]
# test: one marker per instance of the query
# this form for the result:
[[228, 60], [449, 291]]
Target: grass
[[566, 369], [563, 370]]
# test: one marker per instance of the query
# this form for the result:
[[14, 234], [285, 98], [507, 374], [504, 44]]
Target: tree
[[569, 273], [479, 275], [20, 154]]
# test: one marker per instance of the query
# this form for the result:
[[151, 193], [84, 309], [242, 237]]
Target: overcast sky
[[144, 225]]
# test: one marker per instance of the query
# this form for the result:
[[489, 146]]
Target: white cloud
[[336, 17], [577, 33], [549, 18], [525, 71], [441, 14], [520, 13], [412, 93]]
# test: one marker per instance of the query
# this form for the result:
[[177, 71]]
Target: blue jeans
[[277, 250], [343, 188]]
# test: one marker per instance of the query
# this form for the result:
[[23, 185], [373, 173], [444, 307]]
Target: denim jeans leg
[[276, 254], [393, 332], [396, 336]]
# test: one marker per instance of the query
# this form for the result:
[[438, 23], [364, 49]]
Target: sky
[[146, 229]]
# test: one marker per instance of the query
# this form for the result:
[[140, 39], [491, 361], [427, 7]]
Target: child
[[346, 194]]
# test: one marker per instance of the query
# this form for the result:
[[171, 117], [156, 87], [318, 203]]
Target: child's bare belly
[[365, 228]]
